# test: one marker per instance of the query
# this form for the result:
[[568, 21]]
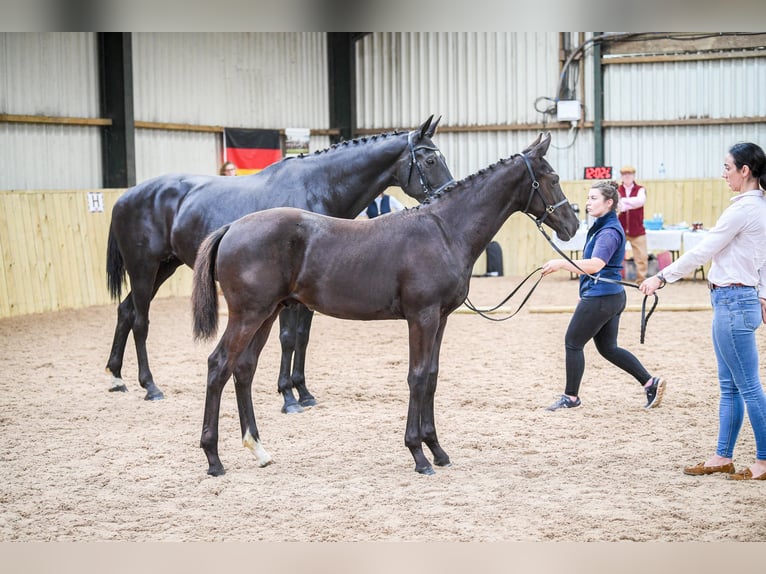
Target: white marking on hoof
[[115, 381], [257, 449]]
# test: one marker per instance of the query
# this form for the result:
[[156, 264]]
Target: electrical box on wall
[[568, 111]]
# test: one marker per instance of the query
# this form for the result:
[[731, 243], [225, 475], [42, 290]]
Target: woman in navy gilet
[[602, 301]]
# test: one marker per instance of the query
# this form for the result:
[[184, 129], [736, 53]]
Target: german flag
[[251, 150]]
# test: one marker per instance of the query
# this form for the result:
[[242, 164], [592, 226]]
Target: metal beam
[[341, 70], [118, 144], [598, 105]]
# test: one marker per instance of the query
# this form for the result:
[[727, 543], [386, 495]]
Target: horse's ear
[[432, 130], [425, 126], [542, 144], [540, 147], [532, 145]]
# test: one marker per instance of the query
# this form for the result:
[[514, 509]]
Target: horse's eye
[[430, 161]]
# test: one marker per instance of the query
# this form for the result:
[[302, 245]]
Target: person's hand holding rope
[[552, 266], [651, 284]]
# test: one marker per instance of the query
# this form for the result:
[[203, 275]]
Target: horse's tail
[[115, 267], [204, 292]]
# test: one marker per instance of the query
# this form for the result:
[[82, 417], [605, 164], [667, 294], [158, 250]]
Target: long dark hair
[[751, 155]]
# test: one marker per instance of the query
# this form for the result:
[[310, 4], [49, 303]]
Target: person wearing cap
[[631, 208]]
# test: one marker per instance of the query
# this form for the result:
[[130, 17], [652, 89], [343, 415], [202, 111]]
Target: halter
[[539, 222], [536, 189], [414, 163]]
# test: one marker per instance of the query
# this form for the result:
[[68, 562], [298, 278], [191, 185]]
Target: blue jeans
[[736, 316]]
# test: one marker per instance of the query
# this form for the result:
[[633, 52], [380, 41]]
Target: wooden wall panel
[[525, 249], [53, 250]]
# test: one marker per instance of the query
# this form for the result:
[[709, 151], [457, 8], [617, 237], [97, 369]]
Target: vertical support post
[[598, 104], [118, 145], [341, 70]]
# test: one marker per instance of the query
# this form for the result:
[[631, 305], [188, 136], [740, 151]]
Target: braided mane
[[459, 183], [352, 142]]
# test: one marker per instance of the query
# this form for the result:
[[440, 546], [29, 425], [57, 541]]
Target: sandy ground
[[82, 464]]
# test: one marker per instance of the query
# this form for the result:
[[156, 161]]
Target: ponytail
[[751, 155]]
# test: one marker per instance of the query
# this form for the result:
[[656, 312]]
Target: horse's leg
[[125, 316], [142, 298], [427, 418], [422, 334], [243, 383], [217, 375], [288, 320], [228, 352], [304, 315]]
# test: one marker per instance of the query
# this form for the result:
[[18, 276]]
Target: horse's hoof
[[155, 395], [443, 463], [292, 409], [308, 402], [119, 389], [426, 470], [216, 470]]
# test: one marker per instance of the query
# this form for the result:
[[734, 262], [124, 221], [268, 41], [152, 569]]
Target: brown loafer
[[700, 469], [746, 475]]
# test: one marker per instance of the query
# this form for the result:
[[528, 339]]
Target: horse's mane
[[347, 143], [462, 182]]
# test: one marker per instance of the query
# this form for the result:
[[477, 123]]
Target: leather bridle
[[550, 208], [536, 190], [415, 165]]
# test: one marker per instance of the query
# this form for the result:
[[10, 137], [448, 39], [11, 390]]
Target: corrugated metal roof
[[470, 79], [279, 80]]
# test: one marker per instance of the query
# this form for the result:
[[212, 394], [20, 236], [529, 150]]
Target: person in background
[[631, 208], [228, 168], [737, 282], [602, 301], [381, 205]]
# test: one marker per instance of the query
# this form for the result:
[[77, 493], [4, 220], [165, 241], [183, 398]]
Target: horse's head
[[547, 202], [422, 170]]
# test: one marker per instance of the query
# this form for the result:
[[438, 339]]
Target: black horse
[[280, 257], [158, 225]]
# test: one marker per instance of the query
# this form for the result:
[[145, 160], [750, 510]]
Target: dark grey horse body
[[280, 257], [159, 224]]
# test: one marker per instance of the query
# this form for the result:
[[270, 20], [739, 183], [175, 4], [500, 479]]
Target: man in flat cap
[[631, 208]]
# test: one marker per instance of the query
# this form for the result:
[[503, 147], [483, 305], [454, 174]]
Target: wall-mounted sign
[[95, 201]]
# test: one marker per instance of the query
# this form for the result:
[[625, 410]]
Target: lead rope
[[484, 312], [644, 315]]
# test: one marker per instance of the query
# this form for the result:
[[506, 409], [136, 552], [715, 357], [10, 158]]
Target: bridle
[[550, 208], [415, 165], [536, 190]]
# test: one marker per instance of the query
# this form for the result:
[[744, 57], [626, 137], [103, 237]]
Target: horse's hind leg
[[294, 329], [427, 419], [125, 316], [143, 293], [303, 316], [233, 347], [288, 320], [218, 373], [243, 384]]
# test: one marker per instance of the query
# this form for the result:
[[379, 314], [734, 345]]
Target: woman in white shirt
[[737, 281]]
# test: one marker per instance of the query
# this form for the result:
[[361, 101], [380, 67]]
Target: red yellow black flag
[[251, 150]]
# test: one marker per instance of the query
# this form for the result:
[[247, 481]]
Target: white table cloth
[[656, 240]]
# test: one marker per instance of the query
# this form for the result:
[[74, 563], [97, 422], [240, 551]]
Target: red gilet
[[632, 220]]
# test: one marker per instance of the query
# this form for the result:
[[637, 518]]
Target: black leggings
[[598, 318]]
